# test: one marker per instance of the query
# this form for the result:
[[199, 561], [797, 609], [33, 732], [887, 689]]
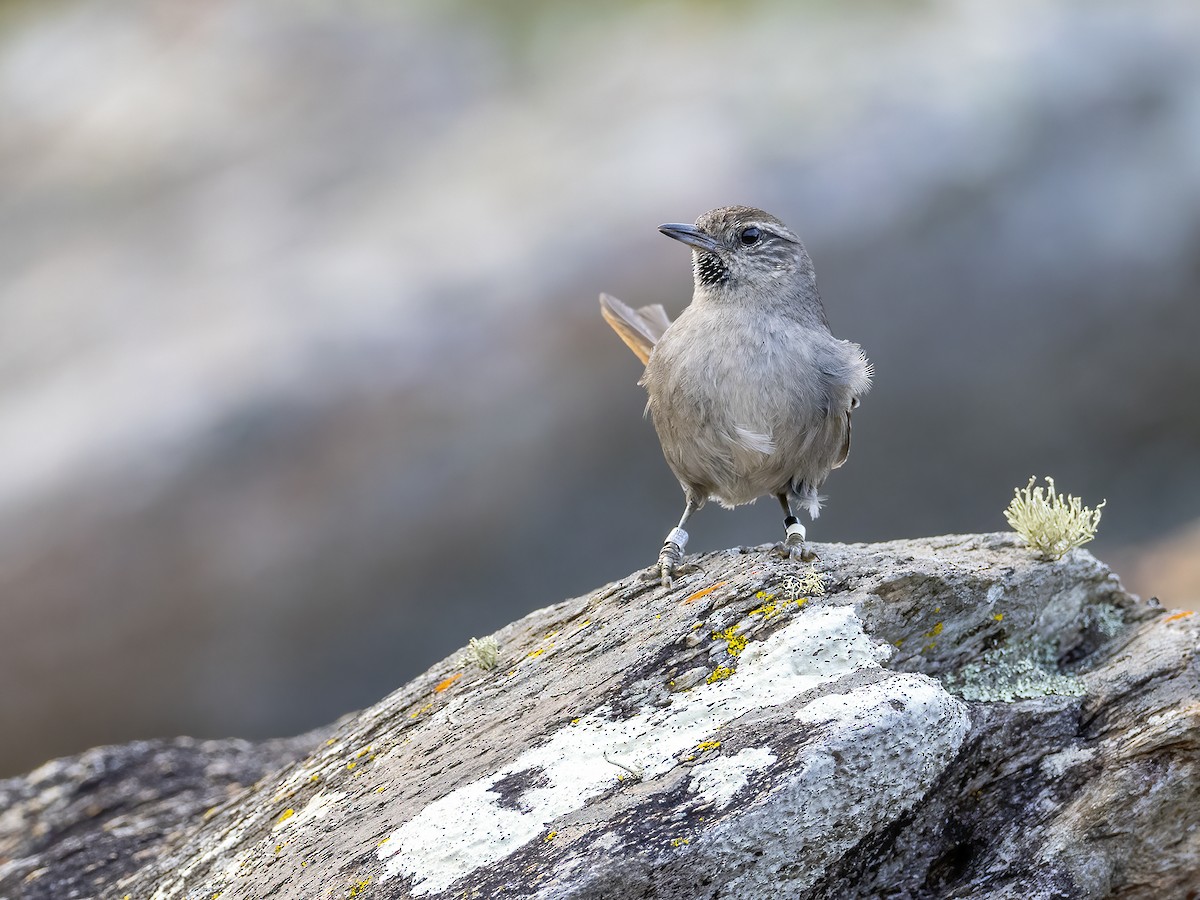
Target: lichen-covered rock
[[949, 718], [74, 826]]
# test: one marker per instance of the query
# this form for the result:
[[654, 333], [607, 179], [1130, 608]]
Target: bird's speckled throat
[[709, 269]]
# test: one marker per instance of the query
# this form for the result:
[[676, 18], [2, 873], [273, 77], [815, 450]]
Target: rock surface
[[947, 718]]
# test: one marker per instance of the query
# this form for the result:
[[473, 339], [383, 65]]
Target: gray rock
[[73, 826], [949, 718]]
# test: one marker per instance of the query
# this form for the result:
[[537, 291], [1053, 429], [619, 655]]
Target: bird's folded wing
[[639, 328]]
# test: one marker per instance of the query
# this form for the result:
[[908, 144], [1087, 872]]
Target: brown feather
[[639, 328]]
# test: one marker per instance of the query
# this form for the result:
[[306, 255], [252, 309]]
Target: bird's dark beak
[[692, 236]]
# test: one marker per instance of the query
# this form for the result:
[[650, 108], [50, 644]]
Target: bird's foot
[[793, 546], [669, 558], [801, 552]]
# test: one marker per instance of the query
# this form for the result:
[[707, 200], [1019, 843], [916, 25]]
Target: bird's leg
[[672, 550], [792, 546]]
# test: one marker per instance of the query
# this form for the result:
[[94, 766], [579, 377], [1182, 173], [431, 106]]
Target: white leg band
[[796, 533], [678, 537]]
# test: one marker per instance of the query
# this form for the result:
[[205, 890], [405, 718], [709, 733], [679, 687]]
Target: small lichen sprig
[[483, 652], [1051, 523], [809, 583]]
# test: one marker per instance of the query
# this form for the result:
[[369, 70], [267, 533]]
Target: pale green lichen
[[1051, 523], [1010, 674], [482, 652], [1106, 618]]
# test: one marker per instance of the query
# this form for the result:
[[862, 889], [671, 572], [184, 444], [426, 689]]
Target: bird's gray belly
[[733, 444]]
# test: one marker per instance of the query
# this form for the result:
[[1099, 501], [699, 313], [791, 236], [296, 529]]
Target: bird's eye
[[750, 235]]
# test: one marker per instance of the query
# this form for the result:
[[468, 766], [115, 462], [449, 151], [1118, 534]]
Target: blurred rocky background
[[302, 376]]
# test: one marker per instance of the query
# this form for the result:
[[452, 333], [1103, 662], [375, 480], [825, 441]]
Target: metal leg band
[[678, 537]]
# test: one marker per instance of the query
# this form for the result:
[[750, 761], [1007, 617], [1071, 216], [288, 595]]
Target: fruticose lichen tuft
[[1051, 523], [483, 652], [807, 584]]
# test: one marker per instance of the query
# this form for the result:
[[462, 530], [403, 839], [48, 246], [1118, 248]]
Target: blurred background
[[302, 377]]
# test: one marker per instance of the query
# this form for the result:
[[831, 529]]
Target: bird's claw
[[669, 558], [668, 562], [792, 546], [795, 550]]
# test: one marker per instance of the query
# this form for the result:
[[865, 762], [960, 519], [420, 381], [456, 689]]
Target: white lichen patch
[[474, 826], [877, 749], [719, 780], [1056, 764]]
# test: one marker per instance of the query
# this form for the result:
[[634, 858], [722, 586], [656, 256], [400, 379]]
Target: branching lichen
[[809, 583], [1051, 523], [483, 652]]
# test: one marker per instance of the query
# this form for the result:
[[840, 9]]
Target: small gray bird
[[750, 393]]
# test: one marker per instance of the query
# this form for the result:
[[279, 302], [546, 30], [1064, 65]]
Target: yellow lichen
[[679, 842], [314, 777], [359, 888], [533, 654], [999, 617], [734, 642], [768, 610], [720, 673], [1051, 523], [424, 709], [286, 814], [934, 631], [708, 745], [380, 789], [551, 836]]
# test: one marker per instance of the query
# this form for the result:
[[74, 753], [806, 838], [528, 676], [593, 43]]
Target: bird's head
[[736, 248]]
